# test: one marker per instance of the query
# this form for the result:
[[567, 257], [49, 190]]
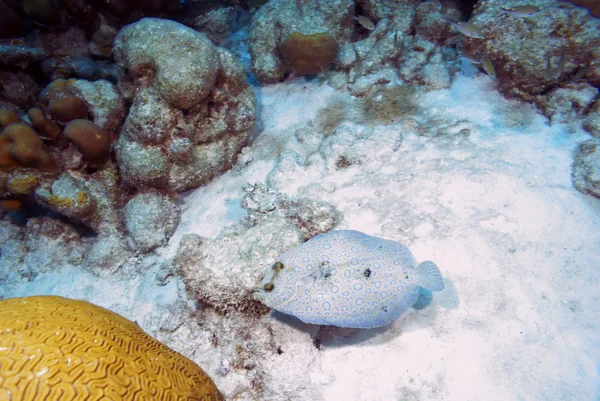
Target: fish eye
[[278, 266], [269, 287]]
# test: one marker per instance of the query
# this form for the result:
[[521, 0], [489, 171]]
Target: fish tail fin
[[430, 277]]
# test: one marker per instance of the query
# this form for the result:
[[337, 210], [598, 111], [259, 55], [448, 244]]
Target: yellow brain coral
[[54, 348]]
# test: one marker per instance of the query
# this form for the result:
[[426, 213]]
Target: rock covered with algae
[[533, 54]]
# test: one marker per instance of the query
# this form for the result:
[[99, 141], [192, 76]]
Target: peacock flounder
[[347, 279]]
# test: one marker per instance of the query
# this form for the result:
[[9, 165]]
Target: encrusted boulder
[[278, 19], [528, 52], [568, 103], [409, 43], [192, 109], [586, 169], [88, 199], [591, 123], [150, 220]]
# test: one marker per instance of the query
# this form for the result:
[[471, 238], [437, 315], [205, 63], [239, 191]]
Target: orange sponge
[[310, 54], [10, 205], [90, 140], [72, 350], [20, 146]]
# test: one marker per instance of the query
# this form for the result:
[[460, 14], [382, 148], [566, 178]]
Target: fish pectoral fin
[[430, 277]]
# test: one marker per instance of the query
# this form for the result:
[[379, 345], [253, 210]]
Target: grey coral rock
[[569, 103], [424, 65], [311, 217], [150, 219], [107, 254], [430, 22], [19, 88], [586, 169], [89, 199], [51, 243], [406, 41], [591, 122], [13, 249], [192, 108], [43, 245], [216, 24], [11, 55]]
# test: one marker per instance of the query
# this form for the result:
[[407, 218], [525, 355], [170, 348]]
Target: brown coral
[[8, 117], [91, 141], [60, 104], [310, 54], [65, 107], [7, 163], [21, 146], [45, 127]]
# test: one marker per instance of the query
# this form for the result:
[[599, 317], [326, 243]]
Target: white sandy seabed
[[519, 248]]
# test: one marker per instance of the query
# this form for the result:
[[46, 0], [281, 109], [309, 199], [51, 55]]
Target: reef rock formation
[[534, 54], [192, 108], [409, 43], [222, 273], [278, 19], [568, 103], [586, 169]]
